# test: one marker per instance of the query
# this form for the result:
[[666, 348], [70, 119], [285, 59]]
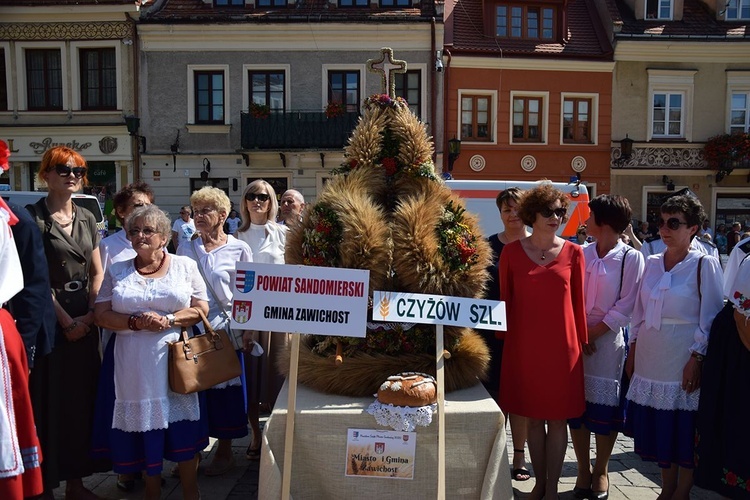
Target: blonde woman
[[267, 240], [216, 254]]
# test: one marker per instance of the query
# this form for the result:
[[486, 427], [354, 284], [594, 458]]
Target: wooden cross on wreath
[[387, 67]]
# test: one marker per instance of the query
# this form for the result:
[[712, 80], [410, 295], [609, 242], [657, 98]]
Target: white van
[[87, 201], [479, 197]]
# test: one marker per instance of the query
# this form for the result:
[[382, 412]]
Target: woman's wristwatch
[[171, 318], [698, 357]]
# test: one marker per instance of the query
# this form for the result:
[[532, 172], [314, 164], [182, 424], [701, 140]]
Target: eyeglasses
[[146, 231], [65, 171], [261, 197], [672, 223], [203, 212], [548, 212]]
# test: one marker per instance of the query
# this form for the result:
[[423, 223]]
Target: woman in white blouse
[[679, 296], [613, 273], [147, 300], [217, 253], [267, 240]]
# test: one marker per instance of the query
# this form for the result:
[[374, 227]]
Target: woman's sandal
[[252, 453], [521, 473]]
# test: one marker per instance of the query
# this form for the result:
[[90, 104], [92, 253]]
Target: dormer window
[[526, 22], [738, 9], [395, 3], [354, 3], [229, 3], [659, 9]]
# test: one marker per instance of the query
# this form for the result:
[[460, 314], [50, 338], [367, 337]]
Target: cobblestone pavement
[[630, 478]]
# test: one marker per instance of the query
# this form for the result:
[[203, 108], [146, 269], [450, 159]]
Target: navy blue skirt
[[663, 436], [723, 440], [226, 409], [104, 408], [604, 419]]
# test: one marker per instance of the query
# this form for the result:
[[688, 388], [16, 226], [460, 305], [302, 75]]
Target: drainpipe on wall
[[433, 82], [136, 110], [446, 88]]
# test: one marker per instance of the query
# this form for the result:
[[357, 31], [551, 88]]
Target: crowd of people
[[90, 391], [602, 338]]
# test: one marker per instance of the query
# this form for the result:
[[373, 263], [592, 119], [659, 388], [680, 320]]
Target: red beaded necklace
[[161, 264]]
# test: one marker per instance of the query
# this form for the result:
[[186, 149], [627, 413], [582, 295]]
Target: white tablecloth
[[476, 460]]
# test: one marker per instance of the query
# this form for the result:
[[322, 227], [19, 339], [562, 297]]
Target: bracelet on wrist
[[698, 356], [70, 327], [133, 322]]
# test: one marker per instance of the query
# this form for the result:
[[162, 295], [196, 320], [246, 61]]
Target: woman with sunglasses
[[679, 296], [216, 254], [267, 241], [613, 273], [64, 383], [541, 282], [147, 300]]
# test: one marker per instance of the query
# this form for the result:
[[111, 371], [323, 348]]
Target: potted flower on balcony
[[260, 111], [726, 152], [334, 109]]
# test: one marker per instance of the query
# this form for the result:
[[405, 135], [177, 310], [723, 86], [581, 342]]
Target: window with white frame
[[737, 9], [738, 94], [267, 88], [579, 114], [475, 117], [670, 102], [344, 88], [409, 86], [44, 79], [208, 95], [658, 9], [3, 82], [667, 114]]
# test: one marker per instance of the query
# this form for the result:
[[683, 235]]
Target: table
[[476, 460]]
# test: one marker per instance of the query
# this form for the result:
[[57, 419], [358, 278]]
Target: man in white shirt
[[291, 206], [183, 228]]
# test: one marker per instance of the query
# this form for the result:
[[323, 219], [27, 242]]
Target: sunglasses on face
[[261, 197], [672, 223], [548, 212], [65, 171], [203, 212], [146, 231]]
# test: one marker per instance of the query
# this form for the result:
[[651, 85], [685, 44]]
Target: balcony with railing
[[296, 130]]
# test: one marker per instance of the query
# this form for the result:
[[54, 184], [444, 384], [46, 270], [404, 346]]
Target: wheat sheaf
[[385, 302]]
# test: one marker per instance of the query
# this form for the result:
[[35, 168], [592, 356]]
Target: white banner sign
[[300, 299], [438, 309]]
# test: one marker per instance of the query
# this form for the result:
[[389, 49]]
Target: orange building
[[528, 91]]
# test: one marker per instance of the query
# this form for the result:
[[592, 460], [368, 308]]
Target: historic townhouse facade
[[682, 76], [528, 91], [67, 72], [235, 90]]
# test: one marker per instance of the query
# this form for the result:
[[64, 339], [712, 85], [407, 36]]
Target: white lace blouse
[[143, 401], [671, 319]]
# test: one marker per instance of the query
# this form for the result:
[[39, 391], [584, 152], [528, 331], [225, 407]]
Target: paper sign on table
[[376, 453]]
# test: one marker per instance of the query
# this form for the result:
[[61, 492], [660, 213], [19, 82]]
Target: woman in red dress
[[541, 281]]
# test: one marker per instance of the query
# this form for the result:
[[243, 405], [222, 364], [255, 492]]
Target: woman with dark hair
[[115, 248], [541, 281], [613, 272], [64, 383], [267, 241], [146, 300], [513, 229], [679, 296]]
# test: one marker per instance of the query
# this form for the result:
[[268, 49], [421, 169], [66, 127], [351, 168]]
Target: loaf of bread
[[408, 389]]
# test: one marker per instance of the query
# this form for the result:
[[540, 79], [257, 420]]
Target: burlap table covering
[[476, 460]]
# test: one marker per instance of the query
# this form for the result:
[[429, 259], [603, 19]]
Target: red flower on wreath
[[731, 478], [390, 165]]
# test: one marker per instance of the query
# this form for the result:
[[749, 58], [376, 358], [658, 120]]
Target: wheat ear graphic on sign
[[385, 302]]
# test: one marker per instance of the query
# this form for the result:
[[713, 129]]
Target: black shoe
[[599, 495], [126, 485], [581, 493]]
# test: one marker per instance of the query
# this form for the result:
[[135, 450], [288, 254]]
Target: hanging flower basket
[[726, 152], [260, 111], [334, 109]]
